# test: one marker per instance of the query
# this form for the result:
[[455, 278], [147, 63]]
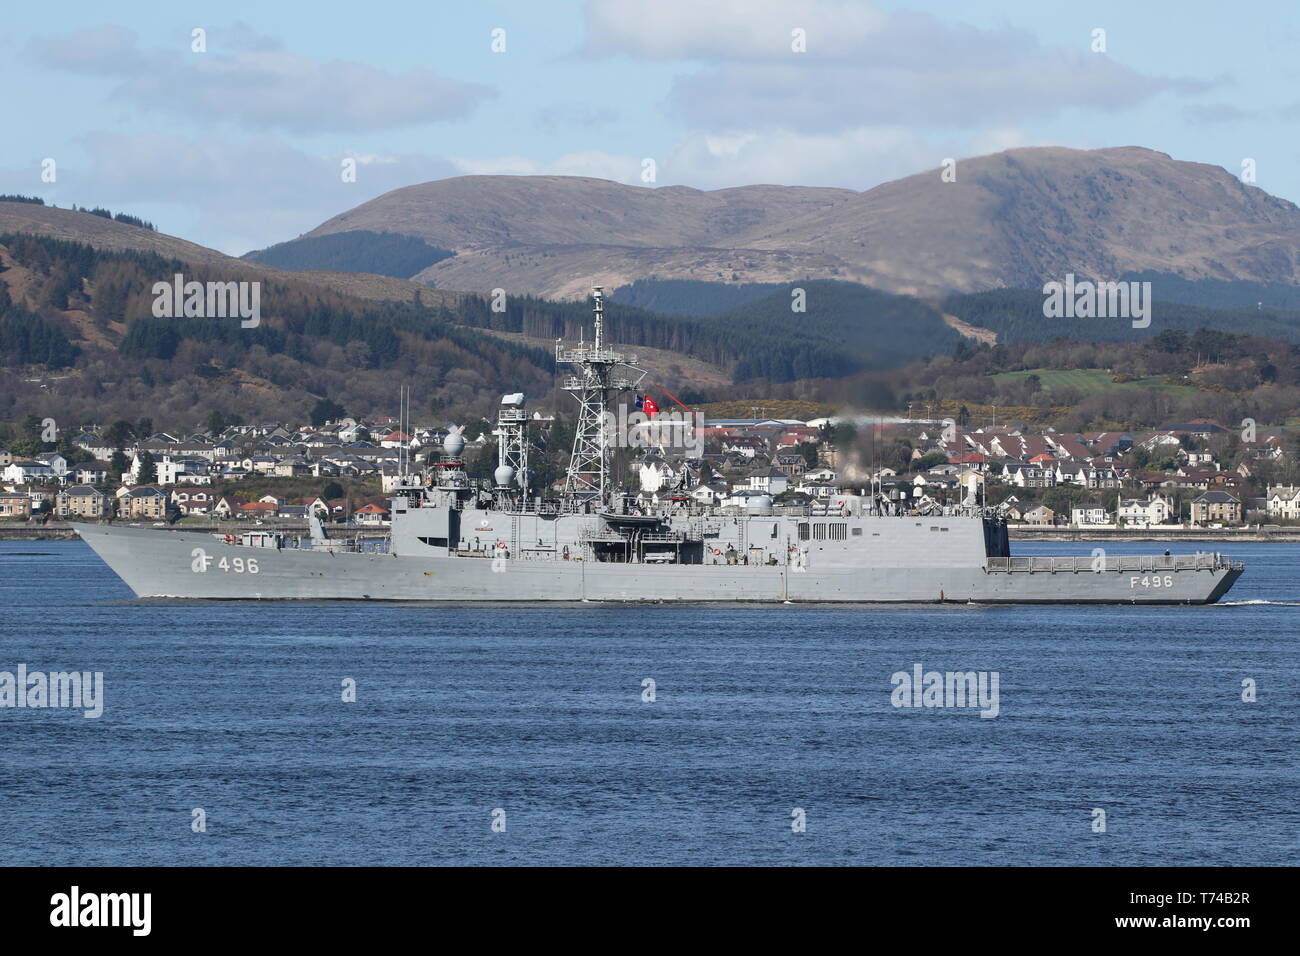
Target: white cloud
[[237, 194], [257, 84], [594, 163], [863, 67], [852, 159], [727, 29], [858, 158]]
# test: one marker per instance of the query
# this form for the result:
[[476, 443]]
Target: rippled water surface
[[236, 708]]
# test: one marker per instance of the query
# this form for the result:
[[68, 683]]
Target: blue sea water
[[236, 708]]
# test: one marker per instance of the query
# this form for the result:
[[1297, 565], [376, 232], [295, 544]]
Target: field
[[1088, 380]]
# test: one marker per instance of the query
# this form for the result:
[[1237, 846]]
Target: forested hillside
[[381, 253], [691, 296], [843, 328], [79, 340], [1017, 315]]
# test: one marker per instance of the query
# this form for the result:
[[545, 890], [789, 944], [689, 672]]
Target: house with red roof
[[371, 514]]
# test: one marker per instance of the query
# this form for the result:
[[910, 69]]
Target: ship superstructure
[[454, 538]]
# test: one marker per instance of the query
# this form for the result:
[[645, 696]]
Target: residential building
[[1284, 503], [24, 471], [1216, 507], [371, 514], [1091, 515], [771, 481], [14, 504], [143, 502], [1156, 510], [82, 501], [1041, 515]]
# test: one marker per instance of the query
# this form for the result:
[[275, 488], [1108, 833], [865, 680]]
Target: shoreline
[[1275, 534], [58, 531]]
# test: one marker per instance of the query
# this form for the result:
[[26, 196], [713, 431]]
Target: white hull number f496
[[1151, 581], [203, 561]]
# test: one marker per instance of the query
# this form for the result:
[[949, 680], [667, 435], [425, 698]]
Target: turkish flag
[[649, 406]]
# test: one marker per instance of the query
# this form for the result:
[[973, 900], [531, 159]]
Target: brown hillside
[[1016, 218]]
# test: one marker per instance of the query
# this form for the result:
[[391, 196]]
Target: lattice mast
[[595, 376], [512, 443]]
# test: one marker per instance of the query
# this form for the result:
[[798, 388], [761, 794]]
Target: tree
[[118, 465], [325, 411], [843, 434], [216, 422], [1063, 498], [118, 434], [332, 491], [148, 473], [32, 426]]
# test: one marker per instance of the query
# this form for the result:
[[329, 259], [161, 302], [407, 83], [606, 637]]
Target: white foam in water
[[1256, 601]]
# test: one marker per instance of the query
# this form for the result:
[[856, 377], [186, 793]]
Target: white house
[[55, 461], [770, 481], [656, 474], [819, 489], [709, 494], [1080, 517], [23, 471], [1284, 502], [1158, 510]]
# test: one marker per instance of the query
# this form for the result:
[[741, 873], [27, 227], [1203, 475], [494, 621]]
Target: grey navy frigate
[[453, 538]]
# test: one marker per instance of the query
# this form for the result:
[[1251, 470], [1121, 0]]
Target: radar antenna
[[596, 373]]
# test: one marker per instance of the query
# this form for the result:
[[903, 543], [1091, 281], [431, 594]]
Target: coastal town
[[1194, 474]]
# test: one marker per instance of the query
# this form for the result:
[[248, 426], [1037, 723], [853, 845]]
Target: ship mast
[[595, 375], [512, 444]]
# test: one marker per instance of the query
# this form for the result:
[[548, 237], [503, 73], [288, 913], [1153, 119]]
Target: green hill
[[380, 253]]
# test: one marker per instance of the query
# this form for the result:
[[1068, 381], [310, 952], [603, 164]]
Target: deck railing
[[1136, 563]]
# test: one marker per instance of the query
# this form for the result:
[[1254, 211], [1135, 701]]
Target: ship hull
[[176, 564]]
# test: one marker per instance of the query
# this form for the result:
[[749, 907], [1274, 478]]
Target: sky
[[242, 144]]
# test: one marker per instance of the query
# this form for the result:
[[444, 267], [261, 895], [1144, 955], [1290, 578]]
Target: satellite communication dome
[[503, 475], [453, 444]]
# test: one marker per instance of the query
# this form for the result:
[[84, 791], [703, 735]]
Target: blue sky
[[240, 146]]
